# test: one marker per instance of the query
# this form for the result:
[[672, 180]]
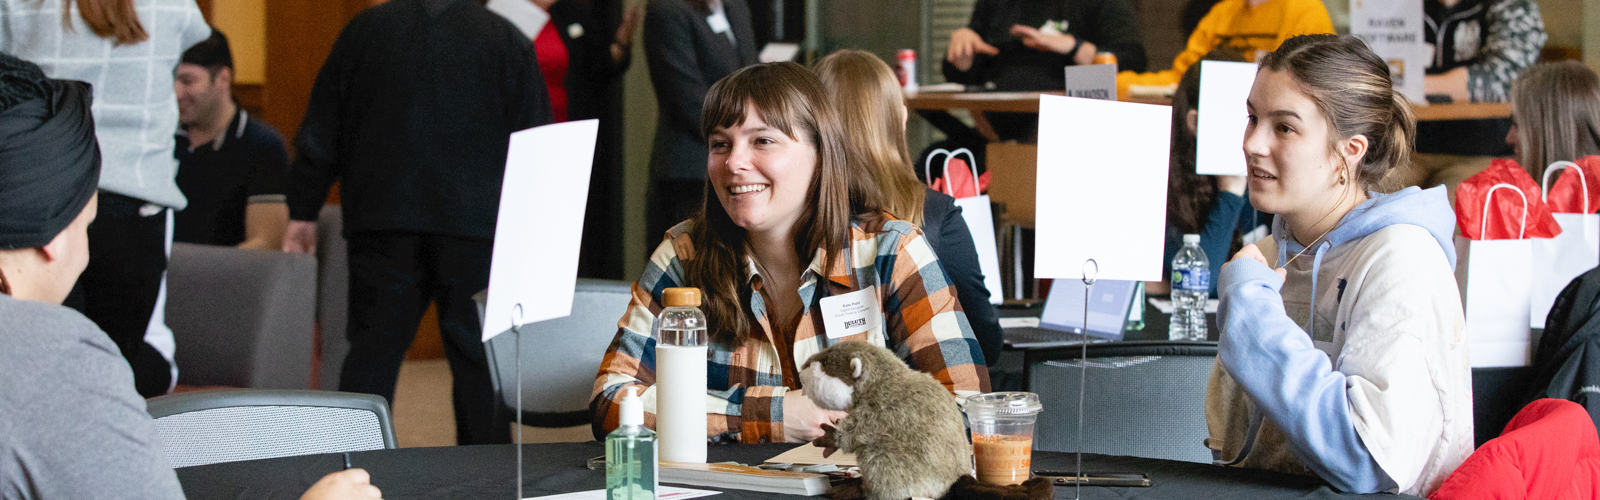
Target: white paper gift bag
[[1556, 261], [1495, 281], [979, 216]]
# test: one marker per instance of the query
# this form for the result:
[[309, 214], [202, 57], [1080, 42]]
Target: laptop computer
[[1061, 323]]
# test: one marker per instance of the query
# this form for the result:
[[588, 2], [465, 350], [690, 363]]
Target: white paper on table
[[662, 493], [527, 17], [778, 52], [536, 235], [1102, 188], [1092, 81], [1219, 137], [1164, 306], [979, 216], [1027, 322]]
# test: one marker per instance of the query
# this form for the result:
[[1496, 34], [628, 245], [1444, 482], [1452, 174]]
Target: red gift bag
[[1514, 211], [963, 181], [1567, 195]]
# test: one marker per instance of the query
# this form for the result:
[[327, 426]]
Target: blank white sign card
[[1102, 188], [536, 236], [1224, 87]]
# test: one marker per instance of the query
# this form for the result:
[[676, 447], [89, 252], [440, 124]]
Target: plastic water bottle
[[680, 333], [1191, 286]]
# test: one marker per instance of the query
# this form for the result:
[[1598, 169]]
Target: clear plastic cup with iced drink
[[1002, 434]]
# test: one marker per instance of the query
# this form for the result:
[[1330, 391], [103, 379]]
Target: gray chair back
[[559, 357], [200, 428], [333, 288], [241, 318], [1142, 399]]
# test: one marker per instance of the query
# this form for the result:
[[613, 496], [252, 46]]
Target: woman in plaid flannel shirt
[[786, 223]]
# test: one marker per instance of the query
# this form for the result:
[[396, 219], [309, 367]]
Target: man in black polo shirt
[[231, 166]]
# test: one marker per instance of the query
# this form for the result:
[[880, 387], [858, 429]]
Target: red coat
[[1549, 451]]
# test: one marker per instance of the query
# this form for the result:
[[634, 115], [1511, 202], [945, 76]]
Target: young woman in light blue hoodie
[[1341, 354]]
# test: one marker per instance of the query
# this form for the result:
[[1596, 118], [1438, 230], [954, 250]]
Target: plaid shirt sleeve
[[751, 414], [926, 325]]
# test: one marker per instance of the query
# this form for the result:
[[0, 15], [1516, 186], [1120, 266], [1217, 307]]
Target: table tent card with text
[[536, 236], [1393, 29], [1102, 188]]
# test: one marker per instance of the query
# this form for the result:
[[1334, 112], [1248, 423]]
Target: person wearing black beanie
[[71, 424]]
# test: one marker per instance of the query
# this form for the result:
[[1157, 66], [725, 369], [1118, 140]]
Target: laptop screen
[[1108, 308]]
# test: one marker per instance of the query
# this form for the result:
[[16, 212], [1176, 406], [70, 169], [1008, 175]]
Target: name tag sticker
[[851, 313], [718, 23]]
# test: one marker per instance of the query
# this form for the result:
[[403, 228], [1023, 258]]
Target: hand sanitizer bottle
[[631, 454]]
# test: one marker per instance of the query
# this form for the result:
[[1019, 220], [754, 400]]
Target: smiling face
[[761, 175], [1292, 170], [200, 94]]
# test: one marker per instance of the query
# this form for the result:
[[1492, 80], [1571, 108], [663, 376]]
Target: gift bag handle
[[1483, 224], [1582, 181], [927, 166]]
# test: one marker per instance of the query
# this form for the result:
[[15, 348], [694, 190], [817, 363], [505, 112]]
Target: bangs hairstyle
[[116, 20], [1556, 109], [1351, 87], [789, 99], [873, 111]]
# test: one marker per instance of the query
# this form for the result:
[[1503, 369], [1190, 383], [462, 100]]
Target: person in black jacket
[[1020, 45], [870, 104], [411, 114], [689, 45], [583, 47]]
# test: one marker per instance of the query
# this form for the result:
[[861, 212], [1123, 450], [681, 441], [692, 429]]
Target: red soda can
[[907, 70]]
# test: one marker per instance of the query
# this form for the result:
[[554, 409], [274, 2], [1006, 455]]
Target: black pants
[[393, 277], [671, 201], [120, 289]]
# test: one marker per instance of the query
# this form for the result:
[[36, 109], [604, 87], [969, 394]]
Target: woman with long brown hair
[[1341, 351], [873, 112], [127, 50], [1555, 115], [785, 222]]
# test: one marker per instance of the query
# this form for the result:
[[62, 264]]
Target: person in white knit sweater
[[127, 51]]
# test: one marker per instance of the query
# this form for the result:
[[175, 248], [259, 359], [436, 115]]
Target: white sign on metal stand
[[1102, 185], [1223, 117], [534, 266]]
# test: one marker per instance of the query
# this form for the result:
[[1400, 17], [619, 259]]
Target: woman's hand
[[624, 38], [1252, 252], [964, 43], [348, 484], [802, 419]]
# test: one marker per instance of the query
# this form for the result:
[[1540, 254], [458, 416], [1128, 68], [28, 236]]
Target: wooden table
[[1028, 102], [1474, 111]]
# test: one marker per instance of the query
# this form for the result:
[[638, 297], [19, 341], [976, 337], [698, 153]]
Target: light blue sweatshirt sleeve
[[1291, 381]]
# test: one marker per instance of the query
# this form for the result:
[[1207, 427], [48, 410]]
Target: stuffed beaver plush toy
[[904, 427]]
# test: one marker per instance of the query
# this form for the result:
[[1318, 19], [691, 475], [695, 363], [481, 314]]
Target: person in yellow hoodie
[[1252, 27]]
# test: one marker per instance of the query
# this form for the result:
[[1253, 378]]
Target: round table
[[490, 472]]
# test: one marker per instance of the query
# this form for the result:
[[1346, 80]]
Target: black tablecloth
[[490, 472]]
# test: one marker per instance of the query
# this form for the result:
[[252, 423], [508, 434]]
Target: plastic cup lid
[[1005, 403]]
